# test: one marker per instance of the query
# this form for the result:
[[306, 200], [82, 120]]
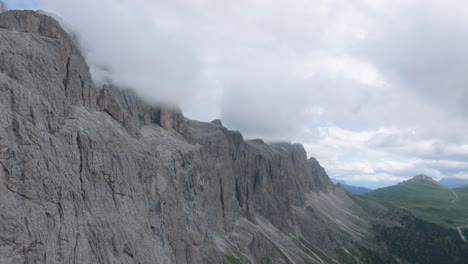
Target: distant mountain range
[[351, 188], [454, 182]]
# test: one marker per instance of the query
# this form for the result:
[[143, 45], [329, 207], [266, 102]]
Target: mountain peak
[[422, 177]]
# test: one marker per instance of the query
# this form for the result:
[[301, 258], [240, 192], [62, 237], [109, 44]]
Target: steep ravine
[[93, 175]]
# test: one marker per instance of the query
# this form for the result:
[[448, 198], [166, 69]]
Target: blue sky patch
[[21, 4]]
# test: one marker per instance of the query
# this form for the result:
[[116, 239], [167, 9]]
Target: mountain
[[351, 188], [454, 182], [428, 200], [95, 174]]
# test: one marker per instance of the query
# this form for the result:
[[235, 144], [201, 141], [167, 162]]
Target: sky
[[22, 4], [375, 90]]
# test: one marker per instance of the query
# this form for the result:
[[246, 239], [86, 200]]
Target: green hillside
[[428, 200]]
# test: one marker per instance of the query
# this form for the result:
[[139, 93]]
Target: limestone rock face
[[108, 102], [32, 22], [133, 113], [100, 176]]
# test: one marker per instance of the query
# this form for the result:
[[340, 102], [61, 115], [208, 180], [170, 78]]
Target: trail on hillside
[[460, 231], [455, 194]]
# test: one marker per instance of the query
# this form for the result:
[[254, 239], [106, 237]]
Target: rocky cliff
[[96, 175]]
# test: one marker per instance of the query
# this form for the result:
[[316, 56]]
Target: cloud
[[424, 49], [379, 177], [136, 44], [355, 155], [461, 175], [369, 87]]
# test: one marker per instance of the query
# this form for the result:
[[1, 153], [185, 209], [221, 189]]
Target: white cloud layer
[[375, 90]]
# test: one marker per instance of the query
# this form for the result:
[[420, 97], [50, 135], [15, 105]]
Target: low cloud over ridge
[[374, 89]]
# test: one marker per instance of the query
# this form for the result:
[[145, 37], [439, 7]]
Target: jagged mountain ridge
[[93, 175]]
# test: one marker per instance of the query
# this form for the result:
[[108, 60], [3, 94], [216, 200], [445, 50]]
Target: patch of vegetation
[[281, 253], [233, 260], [364, 255], [307, 261], [369, 256], [418, 241], [266, 260], [317, 252], [277, 249]]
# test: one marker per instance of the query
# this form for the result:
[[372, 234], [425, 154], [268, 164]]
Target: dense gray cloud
[[424, 48], [420, 46], [374, 89]]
